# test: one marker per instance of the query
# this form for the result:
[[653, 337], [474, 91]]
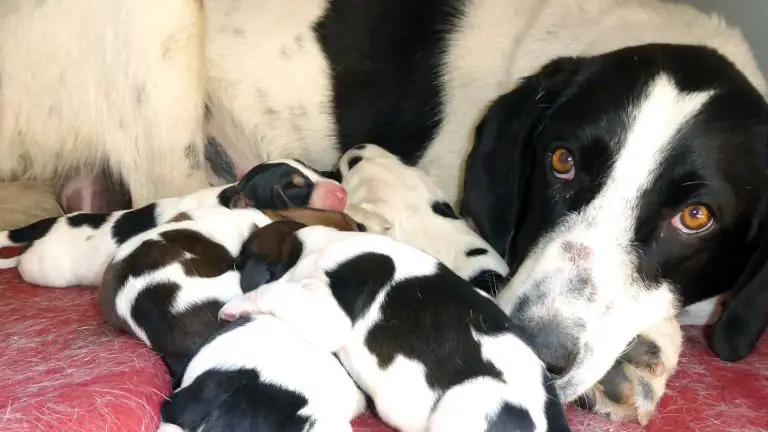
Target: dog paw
[[634, 385], [367, 215]]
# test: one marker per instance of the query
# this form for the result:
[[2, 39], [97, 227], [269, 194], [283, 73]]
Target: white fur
[[227, 227], [281, 357], [381, 186], [400, 392], [69, 256], [624, 304]]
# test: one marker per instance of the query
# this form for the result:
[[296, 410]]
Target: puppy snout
[[555, 347], [328, 195]]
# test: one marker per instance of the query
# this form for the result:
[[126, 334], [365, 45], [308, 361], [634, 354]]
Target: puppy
[[165, 286], [260, 375], [432, 352], [401, 201], [74, 249]]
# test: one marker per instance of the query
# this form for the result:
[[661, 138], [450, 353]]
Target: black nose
[[556, 347]]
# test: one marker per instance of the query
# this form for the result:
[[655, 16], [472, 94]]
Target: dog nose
[[555, 347], [328, 195]]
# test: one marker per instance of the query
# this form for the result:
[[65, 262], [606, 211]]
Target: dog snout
[[328, 195], [556, 347]]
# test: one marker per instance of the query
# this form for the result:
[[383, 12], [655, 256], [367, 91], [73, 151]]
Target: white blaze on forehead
[[655, 120]]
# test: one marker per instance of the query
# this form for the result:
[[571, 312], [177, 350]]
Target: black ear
[[745, 311], [498, 167]]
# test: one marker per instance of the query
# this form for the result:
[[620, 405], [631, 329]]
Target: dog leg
[[634, 385]]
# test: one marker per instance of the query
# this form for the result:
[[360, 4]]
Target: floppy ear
[[499, 165], [310, 216], [268, 254], [745, 311]]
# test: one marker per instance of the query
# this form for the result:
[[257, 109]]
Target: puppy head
[[383, 188], [273, 249], [288, 183], [615, 185]]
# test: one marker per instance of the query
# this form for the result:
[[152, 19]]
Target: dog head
[[623, 186], [272, 250], [288, 183], [416, 212]]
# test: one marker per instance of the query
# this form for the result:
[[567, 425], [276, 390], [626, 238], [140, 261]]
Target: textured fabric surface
[[63, 369]]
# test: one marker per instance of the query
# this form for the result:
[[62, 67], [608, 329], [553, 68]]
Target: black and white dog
[[623, 156], [433, 352], [75, 249]]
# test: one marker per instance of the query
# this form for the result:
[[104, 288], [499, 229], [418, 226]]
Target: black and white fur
[[166, 285], [75, 249], [268, 80], [406, 204], [431, 351], [260, 375]]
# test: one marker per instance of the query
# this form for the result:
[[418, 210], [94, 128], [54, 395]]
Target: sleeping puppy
[[74, 249], [433, 352], [166, 285], [260, 375], [401, 201]]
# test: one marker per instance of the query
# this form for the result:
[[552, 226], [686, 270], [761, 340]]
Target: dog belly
[[269, 83]]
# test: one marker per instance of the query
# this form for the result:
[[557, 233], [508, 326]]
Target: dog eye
[[298, 180], [562, 164], [694, 219]]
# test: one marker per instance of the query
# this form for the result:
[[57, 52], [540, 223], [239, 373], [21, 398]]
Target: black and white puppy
[[405, 204], [260, 375], [166, 285], [433, 352], [74, 249]]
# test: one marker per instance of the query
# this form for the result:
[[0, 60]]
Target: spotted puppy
[[401, 201], [432, 352], [260, 375], [166, 285], [74, 249]]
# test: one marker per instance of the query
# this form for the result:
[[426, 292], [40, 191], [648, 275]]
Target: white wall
[[750, 15]]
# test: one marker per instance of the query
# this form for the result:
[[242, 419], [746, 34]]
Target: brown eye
[[693, 219], [562, 164]]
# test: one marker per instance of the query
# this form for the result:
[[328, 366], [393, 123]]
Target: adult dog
[[625, 133]]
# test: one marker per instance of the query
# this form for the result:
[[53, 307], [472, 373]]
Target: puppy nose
[[555, 347], [328, 195]]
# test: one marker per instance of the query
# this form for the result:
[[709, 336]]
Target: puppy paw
[[367, 215], [237, 308], [634, 385]]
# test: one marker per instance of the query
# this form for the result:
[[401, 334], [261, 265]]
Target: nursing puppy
[[74, 249], [260, 375], [432, 352], [405, 204], [165, 286]]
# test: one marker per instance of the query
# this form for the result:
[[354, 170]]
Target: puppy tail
[[7, 263]]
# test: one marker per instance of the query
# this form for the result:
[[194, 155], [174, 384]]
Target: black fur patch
[[354, 160], [474, 252], [32, 232], [444, 209], [386, 89], [219, 160], [93, 220], [511, 418], [134, 222], [235, 401]]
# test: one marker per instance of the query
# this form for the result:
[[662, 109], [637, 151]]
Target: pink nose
[[328, 195]]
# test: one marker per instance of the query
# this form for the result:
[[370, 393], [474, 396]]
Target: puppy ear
[[745, 311], [268, 254], [501, 160]]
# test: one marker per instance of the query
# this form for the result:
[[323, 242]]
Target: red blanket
[[63, 369]]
